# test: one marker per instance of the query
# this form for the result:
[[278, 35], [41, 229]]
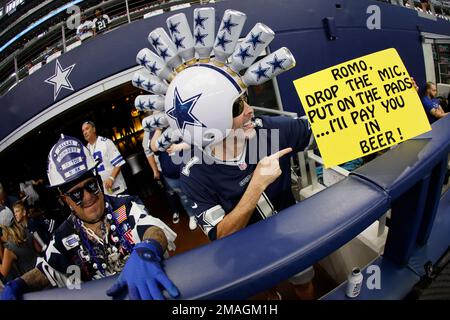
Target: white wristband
[[112, 178]]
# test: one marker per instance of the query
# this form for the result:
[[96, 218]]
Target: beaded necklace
[[103, 242]]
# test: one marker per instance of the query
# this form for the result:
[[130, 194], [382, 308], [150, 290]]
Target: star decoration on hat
[[261, 72], [255, 39], [138, 82], [181, 111], [60, 80], [222, 41], [149, 86], [152, 68], [155, 42], [276, 64], [199, 37], [243, 54], [143, 61], [179, 42], [228, 24], [140, 105], [167, 138], [148, 126], [156, 122], [199, 21], [164, 54], [160, 145], [173, 27], [151, 105]]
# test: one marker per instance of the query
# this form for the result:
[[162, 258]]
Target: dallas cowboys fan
[[238, 172], [104, 234], [110, 160]]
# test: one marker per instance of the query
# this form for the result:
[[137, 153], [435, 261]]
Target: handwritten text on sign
[[361, 106]]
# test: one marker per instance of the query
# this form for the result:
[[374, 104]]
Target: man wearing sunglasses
[[238, 172], [103, 236]]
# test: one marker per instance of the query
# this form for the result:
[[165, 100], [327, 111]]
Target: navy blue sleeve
[[294, 132], [205, 207]]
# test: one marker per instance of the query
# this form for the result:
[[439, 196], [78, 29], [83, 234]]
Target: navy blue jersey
[[168, 168], [41, 227], [217, 188]]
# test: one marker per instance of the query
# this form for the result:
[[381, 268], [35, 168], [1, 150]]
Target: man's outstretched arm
[[33, 280]]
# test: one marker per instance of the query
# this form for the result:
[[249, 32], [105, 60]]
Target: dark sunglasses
[[238, 105], [77, 195]]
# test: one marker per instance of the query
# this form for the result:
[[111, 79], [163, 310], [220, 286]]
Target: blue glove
[[143, 273], [14, 289]]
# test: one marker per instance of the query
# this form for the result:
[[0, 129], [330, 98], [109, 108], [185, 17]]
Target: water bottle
[[354, 283]]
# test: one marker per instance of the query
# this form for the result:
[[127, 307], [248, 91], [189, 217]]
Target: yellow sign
[[361, 106]]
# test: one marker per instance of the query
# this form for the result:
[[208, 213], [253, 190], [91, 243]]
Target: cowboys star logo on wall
[[60, 79]]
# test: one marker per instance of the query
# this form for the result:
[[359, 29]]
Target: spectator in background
[[424, 5], [27, 190], [5, 199], [432, 104], [101, 21], [37, 225], [109, 158], [29, 66], [18, 256], [85, 29]]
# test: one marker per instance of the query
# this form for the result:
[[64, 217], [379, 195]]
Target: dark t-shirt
[[26, 256]]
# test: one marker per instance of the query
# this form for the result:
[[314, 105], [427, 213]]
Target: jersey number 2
[[98, 157]]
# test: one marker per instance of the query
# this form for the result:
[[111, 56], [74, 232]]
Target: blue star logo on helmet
[[173, 28], [243, 54], [149, 86], [140, 105], [151, 105], [155, 42], [156, 122], [153, 68], [181, 111], [227, 25], [222, 41], [199, 21], [164, 54], [167, 138], [160, 145], [276, 64], [199, 38], [261, 72], [255, 39], [148, 126], [179, 42], [143, 61], [138, 82]]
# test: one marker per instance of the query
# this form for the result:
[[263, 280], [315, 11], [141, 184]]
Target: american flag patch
[[120, 214], [127, 235]]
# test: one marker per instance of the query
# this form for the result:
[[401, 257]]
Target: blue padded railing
[[270, 251]]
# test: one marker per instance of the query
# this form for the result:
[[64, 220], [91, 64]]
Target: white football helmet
[[199, 102], [199, 99]]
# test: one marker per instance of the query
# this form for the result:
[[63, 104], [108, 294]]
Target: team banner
[[362, 106]]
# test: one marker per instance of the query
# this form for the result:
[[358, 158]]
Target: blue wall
[[298, 24]]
